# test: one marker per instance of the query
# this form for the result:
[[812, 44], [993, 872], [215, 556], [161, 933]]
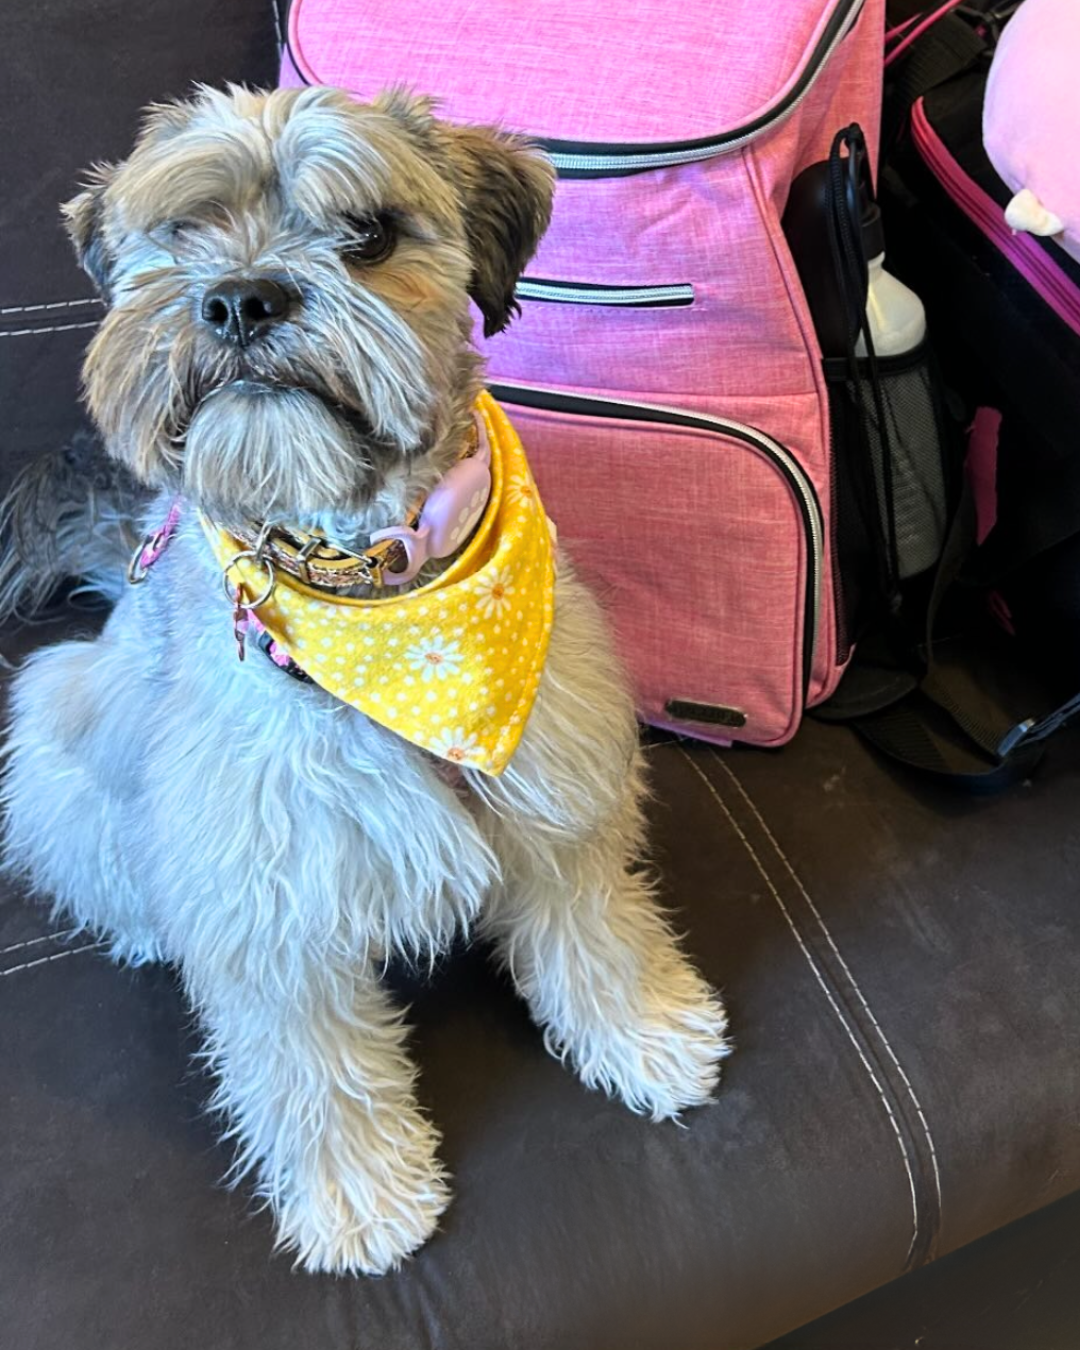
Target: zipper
[[1025, 254], [592, 160], [586, 293], [591, 405]]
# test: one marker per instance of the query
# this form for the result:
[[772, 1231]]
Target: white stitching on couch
[[33, 942], [824, 988], [44, 960], [55, 304], [56, 328], [847, 971]]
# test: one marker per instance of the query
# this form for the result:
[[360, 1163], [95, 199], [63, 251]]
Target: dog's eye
[[174, 231], [369, 239]]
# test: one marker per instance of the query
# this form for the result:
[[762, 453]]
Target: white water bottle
[[896, 315], [897, 323]]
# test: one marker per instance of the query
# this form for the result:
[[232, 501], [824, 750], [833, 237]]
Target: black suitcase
[[993, 639]]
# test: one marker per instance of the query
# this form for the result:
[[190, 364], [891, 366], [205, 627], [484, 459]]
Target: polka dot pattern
[[455, 665]]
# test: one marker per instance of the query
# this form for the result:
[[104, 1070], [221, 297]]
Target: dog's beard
[[264, 451], [317, 418]]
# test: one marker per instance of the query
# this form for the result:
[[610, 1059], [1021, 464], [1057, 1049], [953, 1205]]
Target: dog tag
[[240, 622]]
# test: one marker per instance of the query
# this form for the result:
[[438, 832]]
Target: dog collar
[[452, 666], [434, 528]]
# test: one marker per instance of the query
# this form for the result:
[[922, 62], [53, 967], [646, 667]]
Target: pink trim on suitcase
[[899, 29], [926, 24], [1026, 255], [981, 468]]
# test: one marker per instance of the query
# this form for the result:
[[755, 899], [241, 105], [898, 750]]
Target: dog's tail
[[70, 515]]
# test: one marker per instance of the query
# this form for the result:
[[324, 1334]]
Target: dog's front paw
[[363, 1214], [664, 1059]]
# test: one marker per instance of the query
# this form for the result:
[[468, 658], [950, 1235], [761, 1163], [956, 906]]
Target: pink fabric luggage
[[664, 373]]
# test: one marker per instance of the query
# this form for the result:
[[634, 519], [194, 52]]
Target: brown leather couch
[[901, 966]]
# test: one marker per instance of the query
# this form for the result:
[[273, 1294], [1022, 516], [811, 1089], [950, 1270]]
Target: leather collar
[[323, 564]]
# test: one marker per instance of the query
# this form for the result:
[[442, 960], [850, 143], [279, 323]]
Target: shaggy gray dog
[[288, 279]]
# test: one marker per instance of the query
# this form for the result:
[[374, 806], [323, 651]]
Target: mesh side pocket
[[920, 498], [921, 494], [859, 569]]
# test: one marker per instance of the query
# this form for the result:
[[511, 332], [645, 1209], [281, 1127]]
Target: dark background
[[76, 73]]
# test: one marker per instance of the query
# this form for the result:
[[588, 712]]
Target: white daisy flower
[[520, 488], [456, 745], [493, 594], [435, 658]]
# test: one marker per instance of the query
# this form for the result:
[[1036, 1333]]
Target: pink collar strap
[[450, 514]]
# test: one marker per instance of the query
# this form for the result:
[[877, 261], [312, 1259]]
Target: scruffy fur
[[271, 841]]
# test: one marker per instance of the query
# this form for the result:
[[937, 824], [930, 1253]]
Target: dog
[[288, 341]]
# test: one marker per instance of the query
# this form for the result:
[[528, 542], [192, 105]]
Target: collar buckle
[[303, 557], [369, 567]]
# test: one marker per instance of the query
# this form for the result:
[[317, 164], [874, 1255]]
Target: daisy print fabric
[[453, 666]]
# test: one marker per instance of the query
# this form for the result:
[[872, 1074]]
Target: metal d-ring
[[271, 579], [137, 572]]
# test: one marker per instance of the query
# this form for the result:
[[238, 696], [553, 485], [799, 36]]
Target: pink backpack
[[664, 373]]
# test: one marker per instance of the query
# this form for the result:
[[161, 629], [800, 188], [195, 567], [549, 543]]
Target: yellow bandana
[[454, 665]]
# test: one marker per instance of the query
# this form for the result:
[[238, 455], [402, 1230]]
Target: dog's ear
[[506, 185], [83, 217]]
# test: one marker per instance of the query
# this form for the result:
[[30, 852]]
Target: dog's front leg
[[574, 916], [603, 975], [316, 1083]]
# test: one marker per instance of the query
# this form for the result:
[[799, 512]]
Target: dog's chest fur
[[344, 833]]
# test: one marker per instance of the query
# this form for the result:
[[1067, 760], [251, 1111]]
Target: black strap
[[945, 50], [849, 176], [915, 734], [951, 687], [993, 749]]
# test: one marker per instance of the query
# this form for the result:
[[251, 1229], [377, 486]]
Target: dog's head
[[288, 278]]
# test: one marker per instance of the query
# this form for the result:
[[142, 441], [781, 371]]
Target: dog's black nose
[[242, 309]]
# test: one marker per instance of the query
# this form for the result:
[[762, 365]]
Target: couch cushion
[[1016, 1287], [900, 967]]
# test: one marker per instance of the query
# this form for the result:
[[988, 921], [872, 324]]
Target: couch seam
[[34, 941], [52, 304], [755, 859], [44, 960], [847, 971], [54, 328]]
